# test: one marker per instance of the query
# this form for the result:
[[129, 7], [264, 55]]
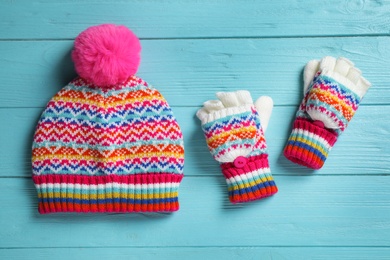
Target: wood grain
[[192, 49], [189, 72], [64, 19], [307, 211]]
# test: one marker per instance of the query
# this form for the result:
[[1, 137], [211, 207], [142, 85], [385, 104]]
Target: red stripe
[[52, 207], [253, 163], [147, 178], [261, 193]]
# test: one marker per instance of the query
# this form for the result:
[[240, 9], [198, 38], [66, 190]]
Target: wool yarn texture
[[333, 90], [108, 141], [234, 130]]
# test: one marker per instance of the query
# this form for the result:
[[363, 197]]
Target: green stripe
[[97, 191], [246, 182], [315, 140]]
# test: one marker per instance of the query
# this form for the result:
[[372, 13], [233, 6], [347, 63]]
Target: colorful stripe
[[87, 131], [240, 136], [251, 182], [308, 144], [110, 193]]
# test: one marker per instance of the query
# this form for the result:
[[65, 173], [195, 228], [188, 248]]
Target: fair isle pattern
[[239, 132], [241, 135], [309, 144], [122, 131], [331, 98], [253, 181]]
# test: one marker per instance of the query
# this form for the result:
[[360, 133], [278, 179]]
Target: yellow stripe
[[231, 132], [104, 102], [110, 195], [238, 186], [316, 146], [107, 159]]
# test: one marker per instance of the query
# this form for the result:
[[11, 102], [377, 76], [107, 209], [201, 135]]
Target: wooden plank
[[188, 72], [176, 19], [188, 253], [362, 149], [307, 211]]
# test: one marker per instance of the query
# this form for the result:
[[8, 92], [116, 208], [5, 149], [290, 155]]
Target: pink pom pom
[[106, 54]]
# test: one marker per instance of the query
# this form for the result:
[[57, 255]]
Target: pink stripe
[[61, 105], [253, 163], [149, 178], [90, 135], [135, 126], [91, 163]]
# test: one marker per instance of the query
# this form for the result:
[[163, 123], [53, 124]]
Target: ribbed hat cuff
[[309, 144], [152, 192], [252, 180]]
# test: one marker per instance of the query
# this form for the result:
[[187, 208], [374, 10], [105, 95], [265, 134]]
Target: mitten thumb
[[309, 72], [264, 105]]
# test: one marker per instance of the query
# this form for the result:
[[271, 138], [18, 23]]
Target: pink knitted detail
[[106, 54]]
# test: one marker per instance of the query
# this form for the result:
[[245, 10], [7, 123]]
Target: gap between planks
[[213, 38]]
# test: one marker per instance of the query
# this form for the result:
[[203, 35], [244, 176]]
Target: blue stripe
[[307, 147], [340, 88], [295, 134], [253, 188], [99, 191], [108, 148], [146, 116], [88, 170], [107, 201], [221, 122]]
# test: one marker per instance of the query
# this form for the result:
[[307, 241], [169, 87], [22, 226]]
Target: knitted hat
[[108, 141]]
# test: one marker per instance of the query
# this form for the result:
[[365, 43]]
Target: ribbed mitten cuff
[[309, 144], [152, 192], [249, 178]]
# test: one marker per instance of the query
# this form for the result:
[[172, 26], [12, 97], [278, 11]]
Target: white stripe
[[248, 175], [108, 185], [313, 136]]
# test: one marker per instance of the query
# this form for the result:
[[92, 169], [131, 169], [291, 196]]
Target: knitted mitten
[[333, 90], [235, 138]]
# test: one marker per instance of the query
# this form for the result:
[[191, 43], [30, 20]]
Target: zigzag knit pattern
[[332, 99], [309, 144], [117, 149], [238, 132], [242, 135]]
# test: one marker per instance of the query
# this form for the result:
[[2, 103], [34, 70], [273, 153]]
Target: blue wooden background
[[192, 49]]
